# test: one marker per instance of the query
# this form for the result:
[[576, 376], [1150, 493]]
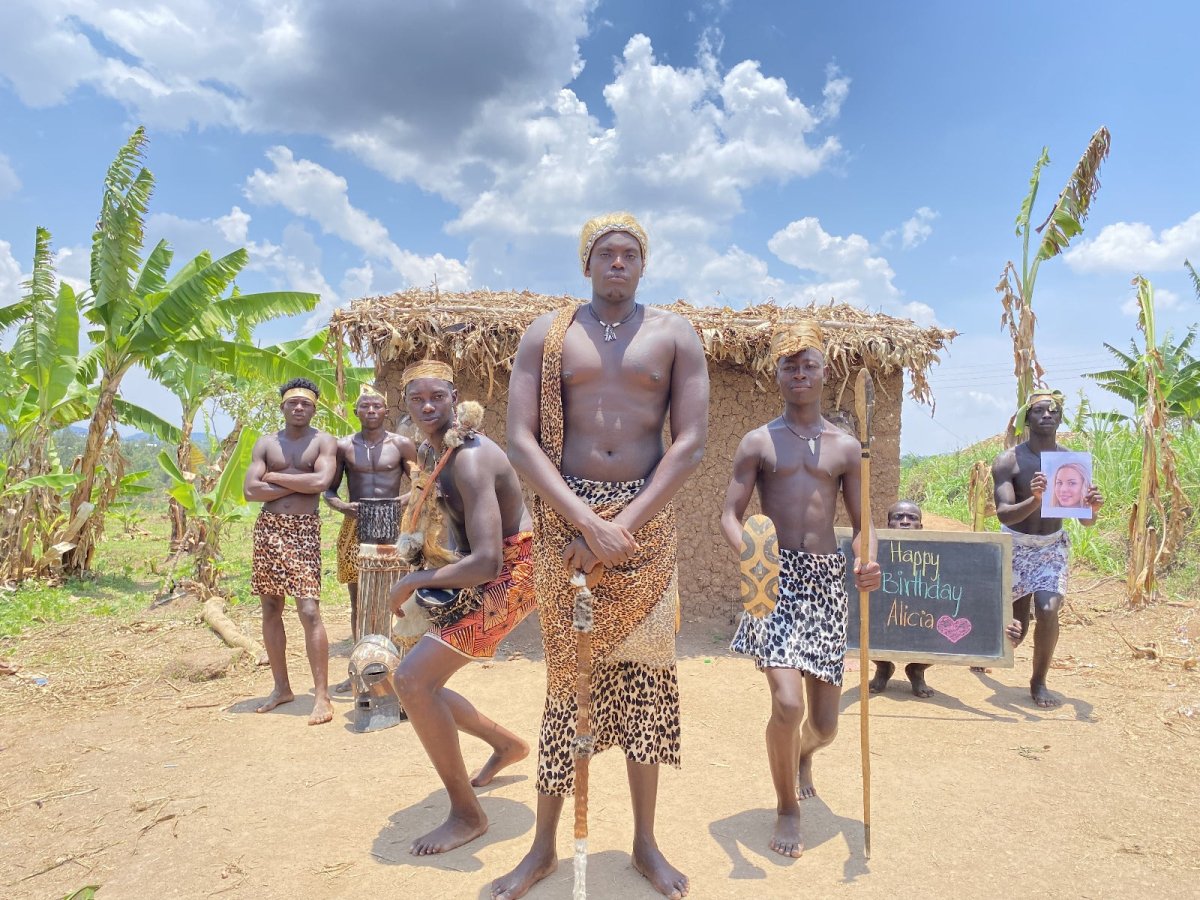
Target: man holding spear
[[591, 390], [799, 462]]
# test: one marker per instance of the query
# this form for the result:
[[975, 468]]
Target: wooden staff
[[864, 406], [584, 742]]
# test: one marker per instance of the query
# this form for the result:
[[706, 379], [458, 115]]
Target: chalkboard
[[945, 597]]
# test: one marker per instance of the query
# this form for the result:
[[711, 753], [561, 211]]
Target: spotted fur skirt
[[807, 628], [287, 555], [635, 690], [1040, 562]]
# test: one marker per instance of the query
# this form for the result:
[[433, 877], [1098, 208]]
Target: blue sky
[[872, 152]]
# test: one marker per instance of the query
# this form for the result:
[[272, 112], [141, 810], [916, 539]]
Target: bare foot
[[499, 760], [981, 670], [786, 840], [1042, 697], [343, 687], [883, 673], [322, 711], [529, 871], [277, 698], [916, 677], [804, 779], [653, 866], [454, 832]]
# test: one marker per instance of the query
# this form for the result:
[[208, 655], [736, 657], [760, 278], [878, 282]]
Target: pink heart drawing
[[953, 630]]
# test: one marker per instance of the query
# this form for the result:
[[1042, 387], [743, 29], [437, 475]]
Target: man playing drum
[[374, 462]]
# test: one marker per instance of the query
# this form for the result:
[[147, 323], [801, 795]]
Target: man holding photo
[[1040, 546]]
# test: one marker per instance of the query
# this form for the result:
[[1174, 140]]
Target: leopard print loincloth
[[347, 551], [287, 555], [1041, 562], [807, 628]]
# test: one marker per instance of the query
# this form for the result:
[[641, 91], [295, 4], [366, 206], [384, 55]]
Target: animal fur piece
[[408, 628]]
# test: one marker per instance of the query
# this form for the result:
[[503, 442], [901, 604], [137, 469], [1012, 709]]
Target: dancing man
[[799, 462], [1041, 548], [288, 471], [591, 390], [374, 462], [487, 591]]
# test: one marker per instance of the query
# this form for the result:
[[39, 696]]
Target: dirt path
[[113, 774]]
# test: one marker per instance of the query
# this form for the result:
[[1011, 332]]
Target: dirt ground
[[115, 773]]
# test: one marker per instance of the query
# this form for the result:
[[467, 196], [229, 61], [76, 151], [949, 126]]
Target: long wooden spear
[[864, 406], [584, 742]]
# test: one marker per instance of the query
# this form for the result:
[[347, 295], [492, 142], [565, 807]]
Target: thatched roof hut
[[478, 333]]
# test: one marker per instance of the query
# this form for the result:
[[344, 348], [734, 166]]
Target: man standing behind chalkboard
[[1040, 546], [903, 514], [799, 462]]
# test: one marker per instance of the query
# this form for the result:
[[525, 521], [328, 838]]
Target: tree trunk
[[78, 560], [183, 458]]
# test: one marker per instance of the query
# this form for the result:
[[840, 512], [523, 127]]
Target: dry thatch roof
[[478, 332]]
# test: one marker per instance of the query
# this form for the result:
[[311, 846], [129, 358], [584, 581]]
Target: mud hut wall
[[707, 567]]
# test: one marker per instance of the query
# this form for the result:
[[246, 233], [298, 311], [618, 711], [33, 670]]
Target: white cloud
[[1164, 299], [1133, 247], [307, 189], [11, 275], [9, 182], [914, 231]]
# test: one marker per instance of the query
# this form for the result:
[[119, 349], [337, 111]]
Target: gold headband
[[300, 392], [791, 339], [596, 228], [367, 390], [426, 368]]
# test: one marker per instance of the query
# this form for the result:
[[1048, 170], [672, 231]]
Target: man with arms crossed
[[799, 463], [591, 389], [1040, 546], [288, 471], [489, 527], [375, 462]]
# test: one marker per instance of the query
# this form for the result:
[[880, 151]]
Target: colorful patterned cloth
[[287, 555], [807, 628], [1040, 562], [505, 602]]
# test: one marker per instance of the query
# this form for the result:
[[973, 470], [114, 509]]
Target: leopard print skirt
[[287, 555], [347, 551], [635, 690], [807, 628]]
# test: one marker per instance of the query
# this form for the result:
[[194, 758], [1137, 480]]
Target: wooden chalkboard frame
[[1003, 541]]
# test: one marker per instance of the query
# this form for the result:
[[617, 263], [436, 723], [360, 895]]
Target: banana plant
[[137, 314], [211, 511], [1064, 222]]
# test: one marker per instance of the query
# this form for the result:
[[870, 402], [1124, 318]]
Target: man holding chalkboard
[[905, 515], [1040, 546], [799, 462]]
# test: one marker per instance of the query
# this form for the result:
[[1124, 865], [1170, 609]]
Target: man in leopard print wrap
[[799, 462], [591, 390], [288, 471]]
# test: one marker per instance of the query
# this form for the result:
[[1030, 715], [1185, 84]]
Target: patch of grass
[[128, 570]]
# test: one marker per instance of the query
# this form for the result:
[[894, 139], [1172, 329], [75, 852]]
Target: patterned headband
[[791, 339], [596, 228], [427, 368]]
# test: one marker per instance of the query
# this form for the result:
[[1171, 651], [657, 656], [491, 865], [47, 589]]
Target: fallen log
[[214, 616]]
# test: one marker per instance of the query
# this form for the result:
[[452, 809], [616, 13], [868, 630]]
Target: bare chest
[[293, 454], [639, 362]]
